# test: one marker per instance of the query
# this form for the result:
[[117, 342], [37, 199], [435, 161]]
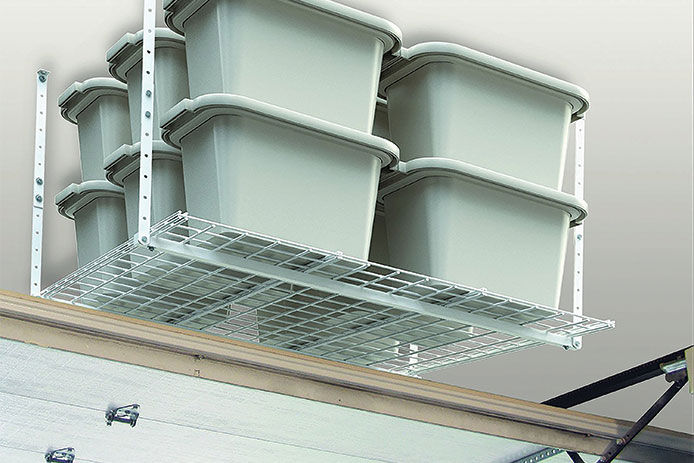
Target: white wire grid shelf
[[206, 276]]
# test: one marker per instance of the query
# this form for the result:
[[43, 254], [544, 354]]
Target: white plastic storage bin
[[315, 57], [449, 101], [170, 74], [123, 169], [259, 167], [98, 209], [99, 107], [472, 226]]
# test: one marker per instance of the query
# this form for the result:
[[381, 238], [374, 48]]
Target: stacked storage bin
[[276, 137], [99, 107], [483, 144], [107, 113]]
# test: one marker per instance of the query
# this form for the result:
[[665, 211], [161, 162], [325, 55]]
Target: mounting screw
[[39, 181], [148, 93], [579, 237], [42, 78], [38, 198], [143, 239], [148, 114]]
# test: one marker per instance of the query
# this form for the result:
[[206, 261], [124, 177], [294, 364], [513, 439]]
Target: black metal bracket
[[680, 379], [127, 414], [673, 366], [616, 382], [65, 455]]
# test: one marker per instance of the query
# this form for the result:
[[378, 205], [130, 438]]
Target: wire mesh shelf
[[206, 276]]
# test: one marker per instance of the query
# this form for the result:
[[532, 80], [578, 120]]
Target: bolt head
[[148, 114], [42, 78], [39, 198], [39, 181], [148, 93]]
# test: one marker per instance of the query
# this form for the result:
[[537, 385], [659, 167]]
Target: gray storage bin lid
[[188, 115], [409, 172], [126, 159], [419, 55], [127, 52], [176, 12], [79, 95], [77, 195]]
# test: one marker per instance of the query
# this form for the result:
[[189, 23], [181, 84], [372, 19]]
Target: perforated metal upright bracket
[[579, 236], [541, 455], [146, 122], [38, 181]]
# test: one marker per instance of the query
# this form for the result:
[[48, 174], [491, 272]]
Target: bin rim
[[189, 114], [418, 56], [177, 12], [412, 171], [77, 195], [126, 159], [79, 95], [127, 51]]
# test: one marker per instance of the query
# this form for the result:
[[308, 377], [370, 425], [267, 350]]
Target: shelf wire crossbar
[[202, 275]]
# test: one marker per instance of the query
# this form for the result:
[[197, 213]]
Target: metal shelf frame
[[208, 276]]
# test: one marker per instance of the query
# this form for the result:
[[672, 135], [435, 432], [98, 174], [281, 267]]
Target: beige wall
[[634, 57]]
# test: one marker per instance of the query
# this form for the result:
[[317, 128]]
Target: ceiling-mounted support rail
[[146, 122], [38, 181], [578, 231]]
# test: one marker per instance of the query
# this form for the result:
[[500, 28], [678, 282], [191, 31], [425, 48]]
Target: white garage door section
[[52, 398]]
